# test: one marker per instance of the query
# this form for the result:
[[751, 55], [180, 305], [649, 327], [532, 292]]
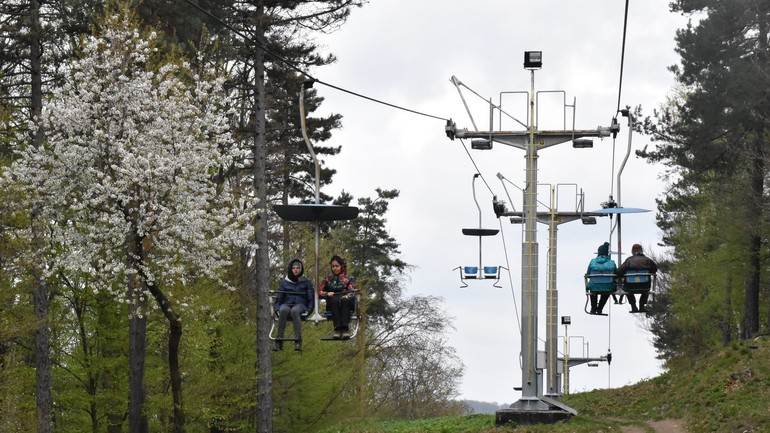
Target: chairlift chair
[[599, 284], [479, 272], [316, 212], [273, 328], [355, 318], [638, 283], [483, 273]]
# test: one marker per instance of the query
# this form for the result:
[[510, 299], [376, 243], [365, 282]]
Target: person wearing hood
[[635, 263], [295, 296], [338, 290], [602, 264]]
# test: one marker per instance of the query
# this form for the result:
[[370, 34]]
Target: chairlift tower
[[533, 407]]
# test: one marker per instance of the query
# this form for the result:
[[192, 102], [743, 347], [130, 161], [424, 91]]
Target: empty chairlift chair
[[478, 272]]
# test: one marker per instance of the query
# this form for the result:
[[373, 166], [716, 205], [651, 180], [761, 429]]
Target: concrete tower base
[[529, 417]]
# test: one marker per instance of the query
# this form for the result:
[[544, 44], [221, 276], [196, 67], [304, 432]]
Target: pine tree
[[716, 132]]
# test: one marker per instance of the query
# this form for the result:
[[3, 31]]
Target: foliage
[[143, 177], [399, 366], [316, 388], [472, 423], [412, 372], [129, 148], [726, 391], [373, 252], [129, 181], [713, 135]]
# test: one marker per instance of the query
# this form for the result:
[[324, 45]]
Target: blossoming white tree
[[128, 177]]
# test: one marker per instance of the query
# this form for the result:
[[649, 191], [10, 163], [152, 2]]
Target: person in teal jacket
[[601, 264]]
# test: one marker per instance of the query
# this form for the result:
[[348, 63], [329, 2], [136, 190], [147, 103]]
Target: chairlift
[[631, 282], [273, 294], [635, 283], [598, 284], [643, 283], [316, 212], [479, 272], [355, 317]]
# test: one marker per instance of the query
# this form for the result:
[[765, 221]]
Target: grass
[[728, 392], [471, 424]]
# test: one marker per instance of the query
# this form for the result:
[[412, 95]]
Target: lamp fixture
[[481, 144], [582, 143], [533, 59]]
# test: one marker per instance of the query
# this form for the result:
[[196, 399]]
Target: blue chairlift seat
[[638, 282], [491, 272], [601, 283], [471, 272]]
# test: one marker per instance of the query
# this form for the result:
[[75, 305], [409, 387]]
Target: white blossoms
[[131, 155]]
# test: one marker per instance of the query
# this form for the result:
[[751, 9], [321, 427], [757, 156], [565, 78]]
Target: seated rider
[[600, 292], [338, 289], [635, 263], [295, 296]]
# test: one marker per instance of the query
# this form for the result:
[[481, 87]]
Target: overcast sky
[[404, 52]]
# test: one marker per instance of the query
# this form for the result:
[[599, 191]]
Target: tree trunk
[[753, 265], [43, 391], [42, 359], [137, 348], [110, 347], [174, 338], [262, 262], [727, 324]]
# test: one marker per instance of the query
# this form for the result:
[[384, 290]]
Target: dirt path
[[662, 426]]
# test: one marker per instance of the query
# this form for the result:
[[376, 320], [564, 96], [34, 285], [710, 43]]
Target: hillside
[[728, 392]]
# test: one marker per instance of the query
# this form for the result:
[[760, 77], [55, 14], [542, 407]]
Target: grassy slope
[[729, 392]]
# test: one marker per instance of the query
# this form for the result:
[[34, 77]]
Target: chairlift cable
[[519, 188], [409, 110], [622, 56], [510, 278], [620, 92], [476, 167], [609, 343], [299, 70], [612, 170]]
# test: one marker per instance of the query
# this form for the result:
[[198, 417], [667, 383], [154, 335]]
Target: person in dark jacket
[[338, 290], [638, 262], [602, 264], [295, 296]]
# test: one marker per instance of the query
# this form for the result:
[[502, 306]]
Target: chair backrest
[[638, 281], [491, 272], [470, 272], [638, 277], [601, 282]]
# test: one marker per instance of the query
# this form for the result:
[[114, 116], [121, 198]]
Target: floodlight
[[481, 144], [582, 143], [588, 220], [566, 320], [533, 59]]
